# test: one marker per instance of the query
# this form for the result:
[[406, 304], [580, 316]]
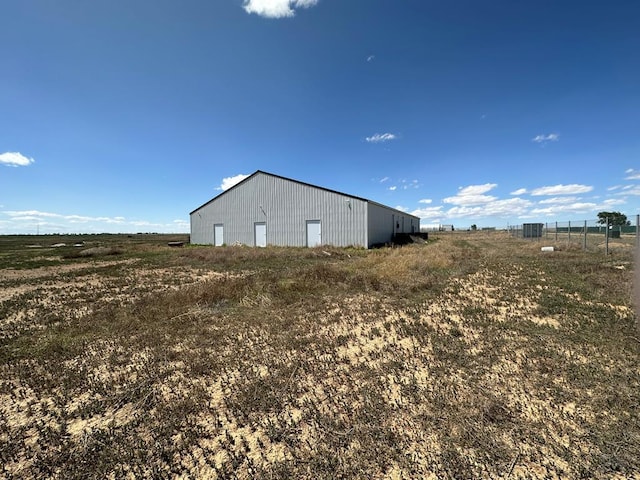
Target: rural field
[[474, 355]]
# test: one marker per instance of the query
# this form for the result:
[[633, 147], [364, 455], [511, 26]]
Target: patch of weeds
[[321, 363], [93, 252]]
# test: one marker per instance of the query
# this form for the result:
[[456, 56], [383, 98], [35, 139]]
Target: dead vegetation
[[473, 356]]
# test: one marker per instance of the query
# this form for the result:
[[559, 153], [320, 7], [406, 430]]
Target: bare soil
[[471, 356]]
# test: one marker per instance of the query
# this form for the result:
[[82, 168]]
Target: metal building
[[267, 209]]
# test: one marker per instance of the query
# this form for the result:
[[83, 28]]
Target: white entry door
[[218, 235], [261, 234], [314, 233]]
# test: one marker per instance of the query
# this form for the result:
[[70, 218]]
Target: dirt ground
[[498, 374]]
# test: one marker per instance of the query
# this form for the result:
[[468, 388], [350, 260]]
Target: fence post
[[637, 228], [584, 244], [569, 234], [556, 231], [606, 237]]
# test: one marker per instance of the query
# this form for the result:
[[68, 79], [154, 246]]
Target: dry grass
[[474, 356]]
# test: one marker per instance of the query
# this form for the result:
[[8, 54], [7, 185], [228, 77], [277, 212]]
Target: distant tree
[[615, 218], [474, 227]]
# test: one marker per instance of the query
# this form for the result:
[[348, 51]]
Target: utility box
[[532, 230]]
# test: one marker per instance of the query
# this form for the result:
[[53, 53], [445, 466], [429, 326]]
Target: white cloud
[[430, 213], [403, 184], [382, 180], [572, 189], [630, 190], [15, 159], [381, 137], [276, 8], [498, 208], [472, 195], [558, 200], [229, 182], [552, 137], [613, 201], [520, 191], [470, 199], [31, 215], [565, 209], [425, 200], [477, 189], [632, 174], [401, 208], [412, 184], [36, 221], [371, 58], [615, 187]]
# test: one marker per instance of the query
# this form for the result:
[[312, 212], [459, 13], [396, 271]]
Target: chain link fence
[[586, 234]]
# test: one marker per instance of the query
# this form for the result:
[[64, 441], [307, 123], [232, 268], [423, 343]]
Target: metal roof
[[301, 183]]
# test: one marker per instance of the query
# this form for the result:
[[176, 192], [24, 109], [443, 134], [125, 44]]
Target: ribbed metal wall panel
[[384, 222], [285, 206]]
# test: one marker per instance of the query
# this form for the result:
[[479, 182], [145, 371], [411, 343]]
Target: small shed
[[532, 230]]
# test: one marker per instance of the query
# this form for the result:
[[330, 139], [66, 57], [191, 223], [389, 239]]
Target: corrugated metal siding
[[285, 206], [384, 222]]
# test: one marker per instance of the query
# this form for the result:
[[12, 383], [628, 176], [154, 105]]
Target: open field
[[473, 356]]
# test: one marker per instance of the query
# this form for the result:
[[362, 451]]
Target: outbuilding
[[267, 209]]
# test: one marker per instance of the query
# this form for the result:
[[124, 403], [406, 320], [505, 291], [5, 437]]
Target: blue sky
[[123, 116]]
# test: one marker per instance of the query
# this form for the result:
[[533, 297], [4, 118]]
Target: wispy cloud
[[561, 209], [276, 8], [229, 182], [613, 201], [520, 191], [15, 159], [371, 58], [37, 221], [558, 200], [552, 137], [429, 213], [572, 189], [632, 174], [509, 207], [401, 184], [426, 200], [630, 190], [472, 195], [406, 185], [31, 215], [381, 137]]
